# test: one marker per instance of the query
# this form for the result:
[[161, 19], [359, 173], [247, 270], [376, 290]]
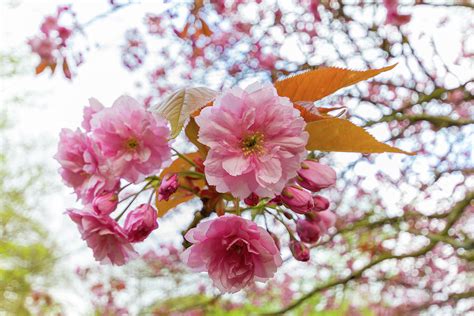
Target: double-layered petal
[[234, 251], [256, 141]]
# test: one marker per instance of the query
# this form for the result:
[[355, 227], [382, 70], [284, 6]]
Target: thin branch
[[451, 219], [105, 14], [438, 121]]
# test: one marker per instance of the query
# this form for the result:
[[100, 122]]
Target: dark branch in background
[[451, 298], [198, 217], [112, 10], [437, 121]]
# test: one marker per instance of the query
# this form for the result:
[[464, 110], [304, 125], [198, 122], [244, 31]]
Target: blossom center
[[237, 247], [132, 144], [252, 144]]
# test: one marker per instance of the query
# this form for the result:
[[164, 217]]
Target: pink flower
[[140, 223], [104, 236], [64, 33], [105, 203], [299, 251], [89, 111], [315, 176], [168, 186], [314, 10], [234, 251], [136, 141], [134, 51], [256, 139], [456, 96], [320, 203], [308, 231], [297, 199], [82, 165]]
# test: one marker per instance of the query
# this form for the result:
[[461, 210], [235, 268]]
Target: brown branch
[[452, 297], [198, 217], [438, 121], [112, 10]]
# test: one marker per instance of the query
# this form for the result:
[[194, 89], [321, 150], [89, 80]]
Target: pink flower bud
[[297, 199], [315, 176], [105, 203], [252, 199], [275, 201], [140, 223], [308, 231], [328, 219], [299, 250], [320, 203], [324, 220], [168, 186]]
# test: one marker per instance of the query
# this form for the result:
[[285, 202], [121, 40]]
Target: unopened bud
[[299, 250], [315, 176]]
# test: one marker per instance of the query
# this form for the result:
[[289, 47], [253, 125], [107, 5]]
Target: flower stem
[[145, 187], [184, 157], [237, 206], [124, 187], [192, 174], [282, 222]]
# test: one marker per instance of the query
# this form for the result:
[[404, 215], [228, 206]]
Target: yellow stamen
[[252, 144], [132, 144]]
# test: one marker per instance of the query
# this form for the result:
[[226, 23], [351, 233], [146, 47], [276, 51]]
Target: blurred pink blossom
[[325, 220], [45, 47], [393, 17]]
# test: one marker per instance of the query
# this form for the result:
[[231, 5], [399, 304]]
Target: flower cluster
[[255, 159], [120, 143], [134, 50], [51, 43]]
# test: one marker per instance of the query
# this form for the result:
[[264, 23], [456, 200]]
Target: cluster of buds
[[301, 198]]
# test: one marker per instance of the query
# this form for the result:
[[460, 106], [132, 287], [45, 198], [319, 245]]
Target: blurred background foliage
[[27, 253]]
